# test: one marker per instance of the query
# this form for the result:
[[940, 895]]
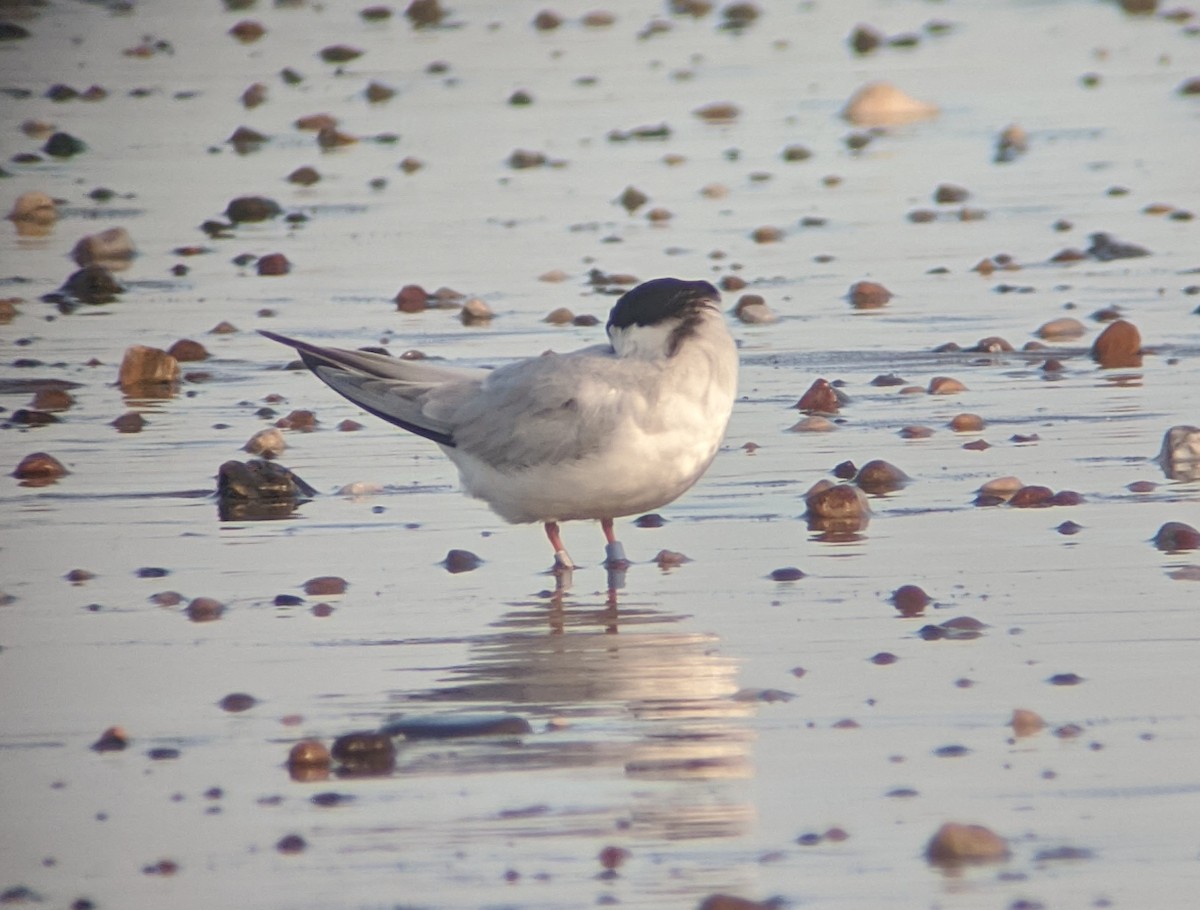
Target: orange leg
[[562, 559]]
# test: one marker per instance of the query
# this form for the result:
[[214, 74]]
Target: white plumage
[[598, 433]]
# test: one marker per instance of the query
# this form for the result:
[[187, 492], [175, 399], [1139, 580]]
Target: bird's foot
[[562, 561]]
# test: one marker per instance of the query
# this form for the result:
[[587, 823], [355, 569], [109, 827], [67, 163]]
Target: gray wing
[[416, 395], [548, 409]]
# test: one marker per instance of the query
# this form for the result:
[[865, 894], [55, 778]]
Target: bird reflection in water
[[626, 689]]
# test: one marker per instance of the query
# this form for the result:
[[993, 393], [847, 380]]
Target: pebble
[[273, 264], [966, 423], [301, 420], [787, 573], [956, 843], [250, 209], [325, 586], [308, 754], [144, 366], [878, 477], [425, 13], [1176, 535], [52, 400], [945, 385], [1062, 329], [39, 466], [949, 193], [204, 609], [836, 502], [883, 104], [458, 561], [1065, 679], [1012, 142], [718, 112], [476, 312], [1031, 496], [868, 295], [291, 844], [1106, 249], [670, 559], [753, 310], [93, 284], [64, 145], [267, 443], [365, 753], [1179, 456], [910, 600], [813, 424], [114, 739], [129, 422], [821, 397], [729, 902], [236, 702], [1118, 346], [412, 298], [112, 248], [187, 351], [1025, 722], [455, 726]]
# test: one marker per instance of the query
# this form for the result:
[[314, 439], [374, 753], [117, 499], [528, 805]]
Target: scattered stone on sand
[[455, 726], [814, 423], [425, 13], [340, 53], [878, 477], [1176, 535], [949, 193], [729, 902], [1106, 249], [794, 153], [112, 248], [956, 844], [883, 104], [325, 586], [309, 753], [837, 501], [1118, 346], [523, 159], [315, 122], [64, 145], [1065, 679], [787, 573], [377, 92], [821, 398], [1064, 328], [330, 137], [50, 399], [301, 420], [129, 422], [915, 431], [752, 309], [718, 112], [144, 366], [33, 214], [247, 31], [273, 264], [237, 702], [945, 385], [457, 561], [365, 753], [258, 489], [291, 844], [412, 298], [1025, 722], [39, 467], [245, 140], [1179, 456], [992, 344], [766, 234], [670, 559], [204, 609], [254, 95], [93, 284], [865, 38], [868, 295], [547, 21], [187, 351], [960, 628], [1031, 496], [250, 209], [910, 600], [476, 312], [114, 739], [266, 443], [966, 423], [632, 199], [560, 316]]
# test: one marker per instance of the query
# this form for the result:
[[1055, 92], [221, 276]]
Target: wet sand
[[733, 733]]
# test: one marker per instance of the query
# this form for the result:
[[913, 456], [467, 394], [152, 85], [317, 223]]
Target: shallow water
[[657, 721]]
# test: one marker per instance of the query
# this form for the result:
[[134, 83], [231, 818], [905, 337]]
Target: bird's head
[[653, 319]]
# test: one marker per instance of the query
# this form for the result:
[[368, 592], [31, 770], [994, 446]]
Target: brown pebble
[[223, 328], [146, 366], [1175, 535], [966, 423], [112, 248], [916, 431], [33, 214], [945, 385], [868, 295], [424, 13], [129, 422], [365, 753], [187, 351], [273, 264], [314, 123], [729, 902], [631, 199], [247, 31], [1025, 722], [309, 753], [236, 702], [612, 858], [947, 193], [560, 316], [813, 424], [254, 95], [93, 284], [249, 209], [52, 400], [993, 344], [878, 476], [766, 234], [1119, 345], [291, 844], [1063, 328], [838, 502], [910, 600], [325, 586], [752, 309], [39, 466], [821, 397], [412, 298], [457, 561], [340, 53], [348, 425], [955, 843], [204, 609], [79, 576], [269, 443], [114, 739], [718, 112], [304, 176], [476, 312], [302, 420], [1031, 496]]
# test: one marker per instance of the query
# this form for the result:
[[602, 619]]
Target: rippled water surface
[[731, 732]]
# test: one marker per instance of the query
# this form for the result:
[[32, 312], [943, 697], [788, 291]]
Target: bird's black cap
[[663, 298]]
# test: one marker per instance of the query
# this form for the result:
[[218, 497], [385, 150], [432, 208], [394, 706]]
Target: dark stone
[[453, 726]]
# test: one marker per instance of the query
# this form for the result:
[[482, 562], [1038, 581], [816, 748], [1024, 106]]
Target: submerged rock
[[956, 844], [144, 366], [258, 490], [1179, 456], [882, 104], [112, 249], [1118, 346]]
